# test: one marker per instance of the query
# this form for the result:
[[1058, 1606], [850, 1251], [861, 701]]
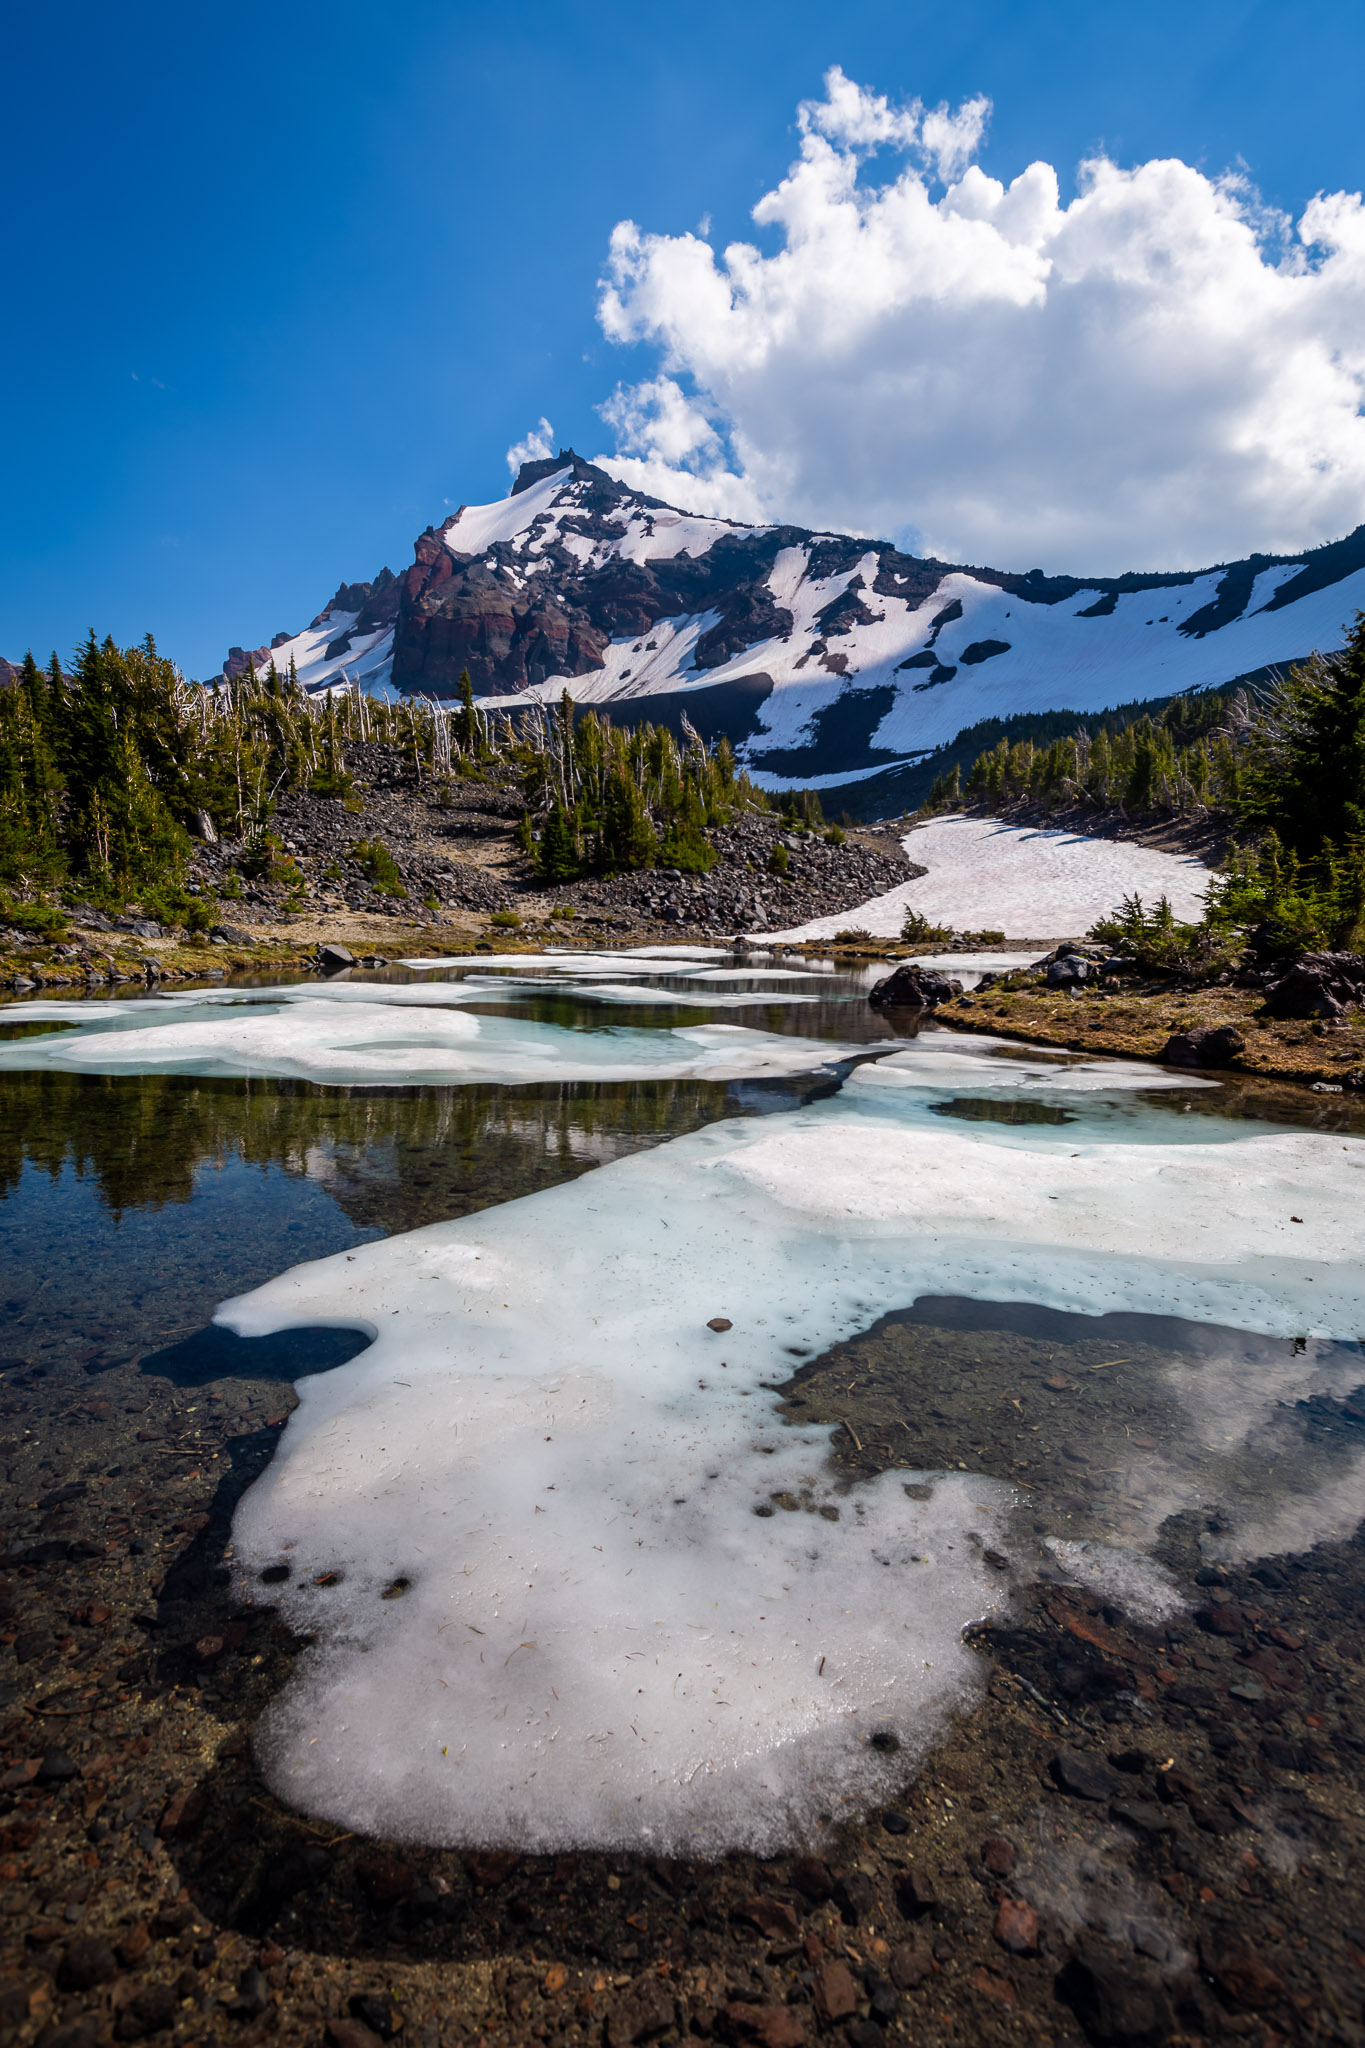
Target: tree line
[[112, 769], [1186, 759]]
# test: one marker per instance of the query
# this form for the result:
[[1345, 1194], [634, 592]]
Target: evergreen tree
[[465, 721], [1305, 766], [1141, 783], [560, 857], [627, 838]]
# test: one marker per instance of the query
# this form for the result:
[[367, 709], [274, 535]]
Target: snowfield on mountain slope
[[1045, 655], [983, 875], [1049, 657]]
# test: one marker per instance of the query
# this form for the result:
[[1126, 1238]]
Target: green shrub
[[505, 920], [41, 920], [258, 856], [170, 904], [1159, 942], [918, 930], [778, 862], [378, 864]]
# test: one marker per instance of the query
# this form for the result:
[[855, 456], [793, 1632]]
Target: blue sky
[[283, 283]]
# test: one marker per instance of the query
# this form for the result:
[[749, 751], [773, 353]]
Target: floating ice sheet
[[377, 1033], [590, 1589], [969, 967], [691, 999], [579, 961], [941, 1060]]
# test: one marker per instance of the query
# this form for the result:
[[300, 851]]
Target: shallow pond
[[596, 1545]]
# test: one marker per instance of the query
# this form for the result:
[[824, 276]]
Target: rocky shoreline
[[1226, 1028], [457, 882]]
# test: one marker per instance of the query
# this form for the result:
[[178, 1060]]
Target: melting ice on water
[[592, 1591], [387, 1034]]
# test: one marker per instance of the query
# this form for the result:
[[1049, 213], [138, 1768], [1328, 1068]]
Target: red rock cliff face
[[456, 613]]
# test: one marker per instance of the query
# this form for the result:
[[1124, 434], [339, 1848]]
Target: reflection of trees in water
[[391, 1158]]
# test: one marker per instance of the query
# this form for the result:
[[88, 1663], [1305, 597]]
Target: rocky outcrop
[[1212, 1045], [457, 613], [913, 987], [1318, 985], [482, 612]]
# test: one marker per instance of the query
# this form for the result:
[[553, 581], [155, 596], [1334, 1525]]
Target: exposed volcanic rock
[[375, 606], [240, 659], [482, 612], [846, 612], [751, 616], [1318, 985], [913, 987], [458, 613]]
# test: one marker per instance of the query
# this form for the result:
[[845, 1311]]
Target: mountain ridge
[[824, 657]]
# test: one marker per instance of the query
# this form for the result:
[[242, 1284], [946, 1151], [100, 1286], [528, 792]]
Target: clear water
[[133, 1205]]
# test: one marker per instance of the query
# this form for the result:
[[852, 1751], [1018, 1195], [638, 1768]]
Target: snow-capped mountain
[[827, 658]]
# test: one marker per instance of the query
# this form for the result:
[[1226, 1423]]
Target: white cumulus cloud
[[1161, 373], [538, 446], [662, 435]]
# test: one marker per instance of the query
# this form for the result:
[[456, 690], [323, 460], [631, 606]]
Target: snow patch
[[1025, 880], [476, 528]]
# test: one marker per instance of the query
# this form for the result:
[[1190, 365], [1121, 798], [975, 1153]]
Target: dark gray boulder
[[913, 987], [1212, 1045], [1318, 985]]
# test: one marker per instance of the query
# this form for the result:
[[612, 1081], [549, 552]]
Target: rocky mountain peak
[[822, 655]]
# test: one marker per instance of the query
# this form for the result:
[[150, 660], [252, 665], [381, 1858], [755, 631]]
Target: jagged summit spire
[[535, 472]]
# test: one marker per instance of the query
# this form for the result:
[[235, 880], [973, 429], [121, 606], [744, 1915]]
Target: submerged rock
[[1084, 1777], [1115, 1999]]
